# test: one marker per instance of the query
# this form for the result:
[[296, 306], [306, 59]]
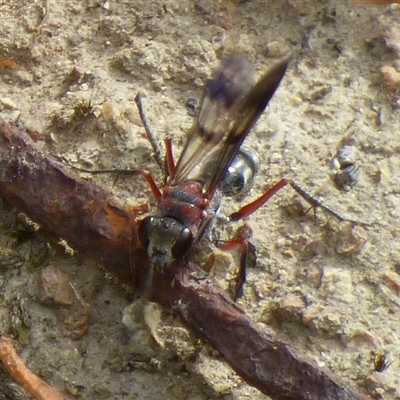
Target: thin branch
[[17, 369], [95, 224]]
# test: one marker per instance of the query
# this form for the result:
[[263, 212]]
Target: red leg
[[150, 180], [256, 204], [314, 202]]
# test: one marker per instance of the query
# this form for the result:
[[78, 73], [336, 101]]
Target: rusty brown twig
[[35, 386], [91, 220]]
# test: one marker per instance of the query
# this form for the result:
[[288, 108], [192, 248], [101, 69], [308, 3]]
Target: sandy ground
[[330, 289]]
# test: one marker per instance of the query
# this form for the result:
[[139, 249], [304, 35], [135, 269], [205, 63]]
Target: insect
[[241, 173], [91, 221], [189, 201]]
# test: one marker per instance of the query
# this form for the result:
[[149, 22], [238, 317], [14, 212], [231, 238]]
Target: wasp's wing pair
[[230, 106]]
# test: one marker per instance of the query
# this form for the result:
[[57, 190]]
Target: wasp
[[188, 202]]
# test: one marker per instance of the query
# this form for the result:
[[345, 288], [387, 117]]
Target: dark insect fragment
[[381, 362]]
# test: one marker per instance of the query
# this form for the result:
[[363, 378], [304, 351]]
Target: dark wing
[[230, 106]]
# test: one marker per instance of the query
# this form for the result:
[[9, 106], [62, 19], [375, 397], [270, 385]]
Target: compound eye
[[182, 244], [144, 231]]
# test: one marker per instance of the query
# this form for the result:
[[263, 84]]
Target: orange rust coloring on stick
[[17, 369], [88, 217], [8, 64]]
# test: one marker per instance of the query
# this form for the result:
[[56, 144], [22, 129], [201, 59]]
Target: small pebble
[[54, 287], [392, 279], [8, 103], [276, 49], [338, 284], [351, 240], [391, 78], [311, 313]]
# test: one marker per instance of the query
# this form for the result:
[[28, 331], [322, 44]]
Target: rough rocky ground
[[330, 289]]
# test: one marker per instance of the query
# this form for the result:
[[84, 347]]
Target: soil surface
[[329, 288]]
